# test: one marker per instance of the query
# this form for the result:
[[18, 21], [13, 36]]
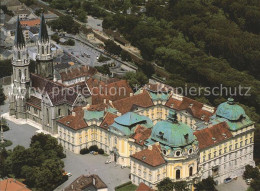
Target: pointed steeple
[[19, 39], [43, 33]]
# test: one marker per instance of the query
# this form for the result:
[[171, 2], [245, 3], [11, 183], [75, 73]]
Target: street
[[235, 185]]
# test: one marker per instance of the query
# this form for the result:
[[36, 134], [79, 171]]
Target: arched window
[[59, 112], [19, 55], [178, 174], [25, 73], [47, 49], [20, 74], [190, 171], [42, 49], [115, 140], [47, 116]]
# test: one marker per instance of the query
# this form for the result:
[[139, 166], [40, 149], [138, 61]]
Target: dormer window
[[190, 151], [190, 106]]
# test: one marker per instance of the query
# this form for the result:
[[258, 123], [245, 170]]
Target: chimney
[[105, 101], [131, 94], [72, 186], [73, 113], [150, 147]]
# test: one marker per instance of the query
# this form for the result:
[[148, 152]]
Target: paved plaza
[[20, 134]]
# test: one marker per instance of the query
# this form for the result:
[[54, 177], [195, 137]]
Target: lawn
[[129, 187]]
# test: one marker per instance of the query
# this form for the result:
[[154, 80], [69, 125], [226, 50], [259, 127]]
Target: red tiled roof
[[30, 23], [213, 135], [108, 120], [77, 72], [192, 106], [125, 105], [141, 134], [143, 187], [98, 107], [35, 102], [75, 120], [11, 184], [110, 91], [86, 182], [151, 157]]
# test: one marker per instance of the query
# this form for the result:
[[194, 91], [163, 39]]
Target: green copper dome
[[231, 111], [172, 133]]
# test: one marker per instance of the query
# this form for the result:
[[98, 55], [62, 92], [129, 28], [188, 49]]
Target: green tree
[[165, 185], [255, 184], [112, 47], [207, 184], [2, 95], [180, 186], [136, 79], [251, 172]]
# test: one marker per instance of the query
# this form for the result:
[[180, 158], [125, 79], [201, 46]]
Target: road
[[235, 185]]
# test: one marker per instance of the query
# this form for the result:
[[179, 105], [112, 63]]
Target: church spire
[[43, 33], [19, 39]]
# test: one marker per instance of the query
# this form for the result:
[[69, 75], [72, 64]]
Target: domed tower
[[44, 59], [20, 76], [179, 147]]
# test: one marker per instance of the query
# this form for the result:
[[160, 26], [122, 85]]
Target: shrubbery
[[93, 148], [101, 151], [84, 151]]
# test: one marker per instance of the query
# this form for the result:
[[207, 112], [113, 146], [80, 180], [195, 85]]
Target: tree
[[112, 47], [125, 56], [93, 148], [56, 38], [251, 172], [136, 79], [2, 95], [255, 184], [180, 186], [104, 69], [207, 184], [165, 185]]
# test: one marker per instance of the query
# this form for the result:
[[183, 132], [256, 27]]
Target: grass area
[[129, 187]]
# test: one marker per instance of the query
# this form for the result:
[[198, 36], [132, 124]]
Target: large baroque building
[[157, 134], [164, 134]]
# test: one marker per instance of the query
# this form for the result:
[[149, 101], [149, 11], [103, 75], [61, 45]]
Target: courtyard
[[20, 134]]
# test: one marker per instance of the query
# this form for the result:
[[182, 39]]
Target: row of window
[[220, 152]]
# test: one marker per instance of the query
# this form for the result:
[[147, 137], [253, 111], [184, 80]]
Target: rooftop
[[75, 120], [11, 184], [151, 156], [127, 104], [143, 187], [85, 182], [213, 135], [30, 23]]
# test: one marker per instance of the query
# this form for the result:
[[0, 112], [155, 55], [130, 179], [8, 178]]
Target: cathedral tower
[[21, 76], [44, 60]]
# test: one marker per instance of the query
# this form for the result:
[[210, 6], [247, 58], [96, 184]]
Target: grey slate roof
[[43, 33], [19, 39]]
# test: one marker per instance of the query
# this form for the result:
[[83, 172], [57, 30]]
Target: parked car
[[69, 174], [92, 152], [108, 161], [248, 181], [123, 166], [227, 180], [95, 153]]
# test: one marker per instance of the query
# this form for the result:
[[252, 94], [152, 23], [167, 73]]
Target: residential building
[[92, 182]]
